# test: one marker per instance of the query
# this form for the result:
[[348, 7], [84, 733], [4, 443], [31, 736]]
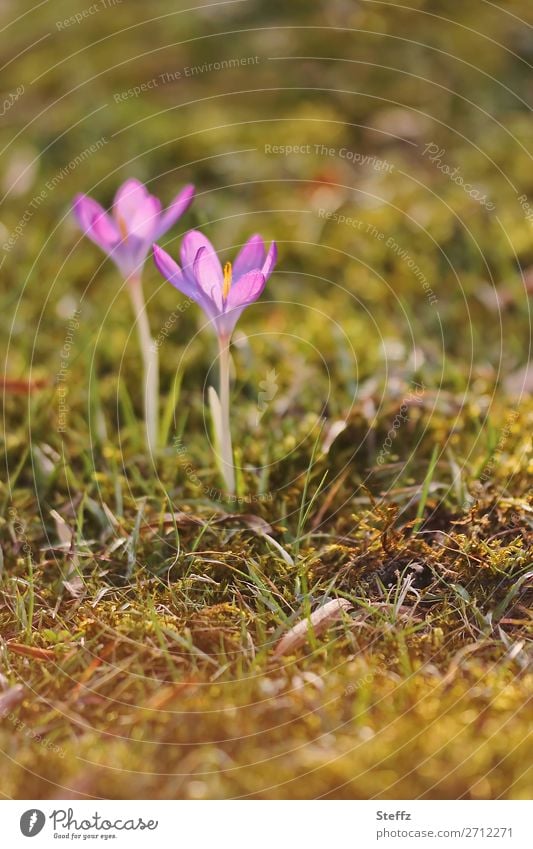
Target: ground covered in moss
[[381, 394]]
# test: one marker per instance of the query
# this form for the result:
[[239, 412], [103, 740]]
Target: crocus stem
[[150, 362], [224, 437]]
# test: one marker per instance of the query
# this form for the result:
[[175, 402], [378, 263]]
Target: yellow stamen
[[227, 280], [122, 227]]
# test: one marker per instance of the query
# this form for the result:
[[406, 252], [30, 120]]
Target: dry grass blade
[[31, 651], [319, 621]]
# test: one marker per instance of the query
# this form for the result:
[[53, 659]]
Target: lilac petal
[[245, 290], [143, 224], [175, 210], [95, 222], [173, 273], [270, 261], [86, 209], [193, 241], [250, 257], [205, 273], [131, 195], [131, 254]]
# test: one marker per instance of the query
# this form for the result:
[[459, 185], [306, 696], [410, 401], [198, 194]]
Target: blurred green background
[[360, 79]]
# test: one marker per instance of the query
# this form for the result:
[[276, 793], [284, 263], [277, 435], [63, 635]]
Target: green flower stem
[[224, 437], [150, 359]]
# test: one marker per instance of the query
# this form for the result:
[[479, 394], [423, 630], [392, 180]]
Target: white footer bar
[[268, 824]]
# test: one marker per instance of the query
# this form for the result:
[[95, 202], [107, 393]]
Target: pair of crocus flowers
[[127, 235]]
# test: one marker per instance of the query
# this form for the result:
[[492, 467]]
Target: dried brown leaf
[[320, 620]]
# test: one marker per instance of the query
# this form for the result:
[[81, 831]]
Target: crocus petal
[[270, 261], [173, 273], [131, 254], [143, 224], [95, 222], [242, 293], [179, 205], [205, 274], [250, 257], [131, 195], [245, 290], [193, 242], [86, 209]]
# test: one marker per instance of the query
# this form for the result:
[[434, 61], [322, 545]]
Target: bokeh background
[[352, 79]]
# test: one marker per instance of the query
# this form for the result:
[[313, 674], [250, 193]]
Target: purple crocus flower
[[222, 293], [136, 220], [126, 235]]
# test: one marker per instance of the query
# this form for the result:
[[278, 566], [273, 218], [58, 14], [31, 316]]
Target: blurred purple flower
[[126, 235], [136, 220], [222, 293]]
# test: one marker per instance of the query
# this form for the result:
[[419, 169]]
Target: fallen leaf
[[320, 620]]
